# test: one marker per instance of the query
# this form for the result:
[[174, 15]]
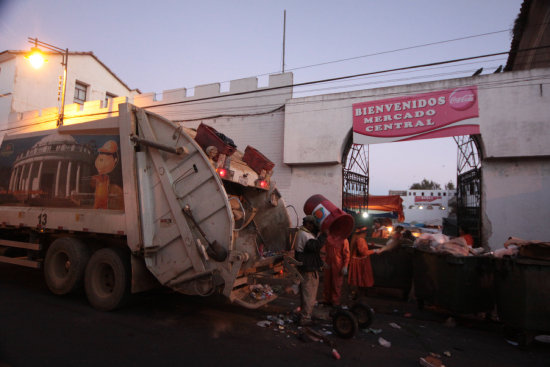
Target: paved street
[[166, 329]]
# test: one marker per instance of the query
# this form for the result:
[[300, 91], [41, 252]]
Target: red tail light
[[222, 172], [263, 184]]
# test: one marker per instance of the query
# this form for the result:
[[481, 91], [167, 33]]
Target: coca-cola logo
[[462, 98]]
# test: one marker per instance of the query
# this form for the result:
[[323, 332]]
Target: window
[[80, 90], [444, 194], [108, 99]]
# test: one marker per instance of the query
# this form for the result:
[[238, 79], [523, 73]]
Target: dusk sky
[[155, 46]]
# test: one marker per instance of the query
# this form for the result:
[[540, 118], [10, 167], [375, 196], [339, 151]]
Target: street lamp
[[36, 58]]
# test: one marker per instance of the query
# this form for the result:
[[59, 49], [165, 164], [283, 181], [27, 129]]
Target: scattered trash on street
[[383, 342], [394, 325], [431, 361], [264, 323]]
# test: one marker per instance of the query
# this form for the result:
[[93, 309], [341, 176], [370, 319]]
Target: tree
[[425, 185], [450, 186]]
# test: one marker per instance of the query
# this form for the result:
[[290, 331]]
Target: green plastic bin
[[523, 294], [394, 269], [459, 284]]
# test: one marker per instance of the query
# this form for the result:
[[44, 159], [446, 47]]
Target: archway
[[445, 113], [356, 180]]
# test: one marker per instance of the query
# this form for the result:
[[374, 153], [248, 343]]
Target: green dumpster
[[394, 269], [459, 284], [523, 294]]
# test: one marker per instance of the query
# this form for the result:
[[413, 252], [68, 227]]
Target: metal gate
[[355, 193], [469, 186]]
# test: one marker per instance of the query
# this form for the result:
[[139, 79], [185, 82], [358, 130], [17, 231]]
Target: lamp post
[[37, 60]]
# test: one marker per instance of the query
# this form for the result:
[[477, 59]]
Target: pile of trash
[[438, 242], [457, 246], [519, 247], [260, 292]]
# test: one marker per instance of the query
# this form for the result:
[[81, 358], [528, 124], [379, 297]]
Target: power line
[[399, 49], [446, 62], [382, 52], [346, 77]]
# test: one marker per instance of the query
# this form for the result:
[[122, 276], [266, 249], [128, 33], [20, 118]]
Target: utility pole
[[284, 36]]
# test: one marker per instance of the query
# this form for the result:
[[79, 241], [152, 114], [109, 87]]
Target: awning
[[387, 203]]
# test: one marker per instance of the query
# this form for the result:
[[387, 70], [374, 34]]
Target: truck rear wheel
[[65, 264], [107, 279]]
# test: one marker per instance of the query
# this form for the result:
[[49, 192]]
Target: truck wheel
[[65, 264], [107, 279]]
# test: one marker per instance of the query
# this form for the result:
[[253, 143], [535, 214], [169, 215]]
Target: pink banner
[[438, 114]]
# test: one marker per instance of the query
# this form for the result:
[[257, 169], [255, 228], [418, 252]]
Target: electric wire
[[297, 85]]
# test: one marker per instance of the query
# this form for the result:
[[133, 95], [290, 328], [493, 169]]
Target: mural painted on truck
[[63, 171]]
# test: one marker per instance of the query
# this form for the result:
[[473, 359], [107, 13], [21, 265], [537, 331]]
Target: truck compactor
[[124, 203]]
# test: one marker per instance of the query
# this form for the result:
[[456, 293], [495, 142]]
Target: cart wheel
[[363, 313], [344, 323]]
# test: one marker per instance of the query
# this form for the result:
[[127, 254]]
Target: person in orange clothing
[[360, 269], [337, 261], [379, 231]]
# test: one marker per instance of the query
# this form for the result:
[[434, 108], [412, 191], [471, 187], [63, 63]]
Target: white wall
[[87, 70], [254, 117], [514, 122], [7, 78], [35, 89], [515, 113], [516, 195], [440, 207]]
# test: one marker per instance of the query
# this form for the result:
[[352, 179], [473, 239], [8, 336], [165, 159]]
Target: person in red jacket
[[360, 269], [337, 261]]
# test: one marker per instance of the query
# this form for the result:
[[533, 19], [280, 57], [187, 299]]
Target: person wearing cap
[[307, 248], [107, 195], [337, 261], [360, 268]]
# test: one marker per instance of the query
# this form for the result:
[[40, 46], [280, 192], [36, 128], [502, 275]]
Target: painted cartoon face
[[105, 163]]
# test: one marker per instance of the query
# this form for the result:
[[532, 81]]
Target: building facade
[[23, 88], [428, 207]]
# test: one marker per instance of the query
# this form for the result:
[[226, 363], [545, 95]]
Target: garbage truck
[[122, 204]]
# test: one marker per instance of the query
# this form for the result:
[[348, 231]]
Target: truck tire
[[65, 264], [107, 279]]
